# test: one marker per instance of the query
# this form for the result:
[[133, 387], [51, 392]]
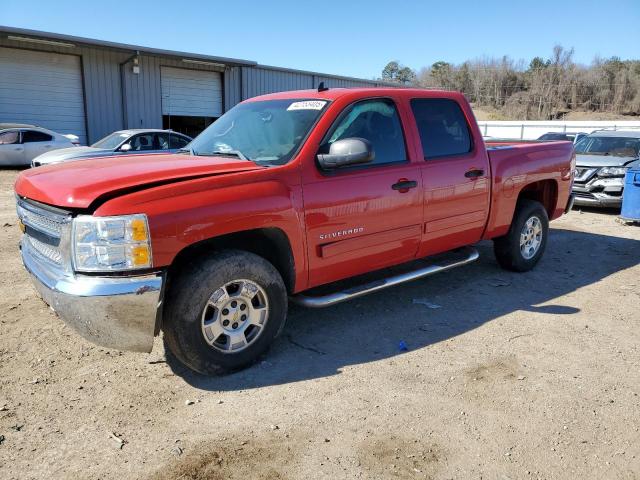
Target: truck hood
[[79, 184], [71, 153], [602, 160]]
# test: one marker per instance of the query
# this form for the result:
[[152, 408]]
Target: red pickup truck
[[282, 194]]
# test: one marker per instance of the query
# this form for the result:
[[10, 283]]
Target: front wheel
[[223, 312], [523, 246]]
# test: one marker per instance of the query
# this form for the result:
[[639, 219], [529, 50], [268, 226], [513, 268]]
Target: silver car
[[120, 143], [19, 145], [602, 161]]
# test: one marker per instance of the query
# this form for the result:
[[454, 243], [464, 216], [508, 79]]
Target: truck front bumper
[[114, 312]]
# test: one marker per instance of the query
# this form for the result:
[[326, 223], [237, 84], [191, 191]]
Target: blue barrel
[[631, 196]]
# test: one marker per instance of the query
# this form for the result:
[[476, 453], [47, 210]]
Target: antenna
[[322, 88]]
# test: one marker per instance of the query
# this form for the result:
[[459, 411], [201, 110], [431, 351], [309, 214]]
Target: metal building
[[91, 88]]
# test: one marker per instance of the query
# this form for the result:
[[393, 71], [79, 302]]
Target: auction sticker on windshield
[[307, 105]]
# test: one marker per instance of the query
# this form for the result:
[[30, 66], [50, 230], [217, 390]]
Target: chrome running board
[[471, 255]]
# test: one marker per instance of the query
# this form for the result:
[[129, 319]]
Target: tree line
[[544, 89]]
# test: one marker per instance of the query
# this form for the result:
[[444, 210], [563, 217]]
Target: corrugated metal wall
[[116, 98], [262, 80], [232, 85], [337, 82], [102, 91]]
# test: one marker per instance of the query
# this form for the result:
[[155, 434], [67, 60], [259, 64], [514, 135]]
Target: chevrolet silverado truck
[[280, 199]]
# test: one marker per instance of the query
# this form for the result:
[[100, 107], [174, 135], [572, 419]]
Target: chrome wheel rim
[[531, 238], [235, 316]]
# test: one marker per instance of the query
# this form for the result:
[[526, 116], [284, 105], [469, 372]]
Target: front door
[[369, 216], [456, 176]]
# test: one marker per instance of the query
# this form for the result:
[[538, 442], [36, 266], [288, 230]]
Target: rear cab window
[[375, 120], [443, 128]]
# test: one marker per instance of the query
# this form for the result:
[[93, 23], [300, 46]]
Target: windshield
[[111, 141], [267, 131], [615, 146]]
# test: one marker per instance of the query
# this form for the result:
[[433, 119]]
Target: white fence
[[530, 130]]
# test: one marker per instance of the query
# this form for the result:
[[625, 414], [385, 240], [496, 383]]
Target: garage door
[[191, 93], [43, 89]]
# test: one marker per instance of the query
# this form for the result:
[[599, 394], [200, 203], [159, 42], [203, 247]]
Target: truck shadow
[[319, 343]]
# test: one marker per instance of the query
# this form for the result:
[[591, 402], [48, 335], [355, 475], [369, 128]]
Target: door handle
[[18, 149], [475, 173], [404, 185]]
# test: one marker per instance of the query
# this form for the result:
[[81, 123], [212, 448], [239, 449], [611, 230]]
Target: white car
[[20, 145], [122, 142]]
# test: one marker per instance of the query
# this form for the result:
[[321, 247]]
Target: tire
[[508, 250], [196, 308]]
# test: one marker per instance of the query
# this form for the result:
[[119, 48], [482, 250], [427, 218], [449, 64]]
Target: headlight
[[111, 243], [613, 171]]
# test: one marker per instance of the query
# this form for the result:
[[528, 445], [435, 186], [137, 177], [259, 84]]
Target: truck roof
[[335, 93]]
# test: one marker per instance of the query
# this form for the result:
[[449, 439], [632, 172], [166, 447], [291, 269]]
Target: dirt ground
[[506, 376]]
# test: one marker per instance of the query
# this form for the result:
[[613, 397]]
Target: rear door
[[11, 150], [35, 143], [456, 176], [357, 218]]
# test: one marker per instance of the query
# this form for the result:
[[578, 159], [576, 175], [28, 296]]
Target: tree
[[539, 89], [394, 72], [538, 63], [406, 76], [390, 72]]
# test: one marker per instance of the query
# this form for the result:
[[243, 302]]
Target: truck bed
[[517, 163]]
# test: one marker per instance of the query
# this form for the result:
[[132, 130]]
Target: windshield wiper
[[235, 153], [186, 150]]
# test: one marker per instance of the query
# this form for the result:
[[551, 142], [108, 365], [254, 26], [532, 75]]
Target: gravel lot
[[513, 376]]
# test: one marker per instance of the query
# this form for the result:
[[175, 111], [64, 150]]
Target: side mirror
[[348, 151], [125, 148]]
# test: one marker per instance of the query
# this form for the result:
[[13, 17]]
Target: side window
[[376, 121], [163, 141], [8, 138], [442, 126], [29, 136], [142, 142], [177, 142]]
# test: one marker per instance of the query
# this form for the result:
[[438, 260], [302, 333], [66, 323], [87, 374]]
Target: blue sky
[[355, 38]]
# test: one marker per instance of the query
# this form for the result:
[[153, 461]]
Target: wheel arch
[[542, 191], [270, 243]]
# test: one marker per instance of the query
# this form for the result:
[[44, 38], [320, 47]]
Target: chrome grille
[[42, 220], [47, 231], [47, 252]]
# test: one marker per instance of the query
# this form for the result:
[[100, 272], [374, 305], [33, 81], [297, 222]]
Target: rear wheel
[[224, 312], [523, 246]]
